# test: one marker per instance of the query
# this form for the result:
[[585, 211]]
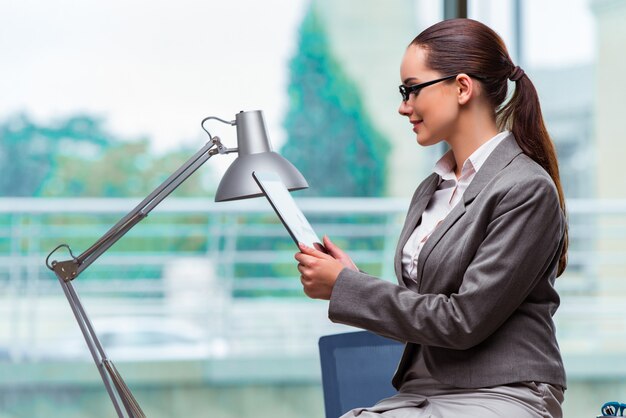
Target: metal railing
[[228, 269]]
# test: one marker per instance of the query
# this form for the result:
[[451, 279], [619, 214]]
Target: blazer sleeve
[[519, 249]]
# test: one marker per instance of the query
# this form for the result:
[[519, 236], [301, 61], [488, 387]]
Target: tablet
[[285, 207]]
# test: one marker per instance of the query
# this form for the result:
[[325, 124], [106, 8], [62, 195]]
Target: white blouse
[[448, 194]]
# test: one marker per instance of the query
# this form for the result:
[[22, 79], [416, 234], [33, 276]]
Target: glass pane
[[570, 51]]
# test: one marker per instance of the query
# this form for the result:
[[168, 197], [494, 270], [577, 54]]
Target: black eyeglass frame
[[406, 91]]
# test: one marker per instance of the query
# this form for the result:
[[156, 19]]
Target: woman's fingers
[[331, 247], [318, 272], [304, 259], [309, 263], [313, 252], [339, 254]]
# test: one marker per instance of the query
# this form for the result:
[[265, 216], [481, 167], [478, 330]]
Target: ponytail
[[522, 116]]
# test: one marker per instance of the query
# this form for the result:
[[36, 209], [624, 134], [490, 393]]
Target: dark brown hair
[[458, 46]]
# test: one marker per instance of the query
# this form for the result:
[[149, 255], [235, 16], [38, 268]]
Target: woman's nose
[[405, 109]]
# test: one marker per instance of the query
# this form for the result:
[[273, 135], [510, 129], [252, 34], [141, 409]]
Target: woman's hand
[[318, 272], [338, 254]]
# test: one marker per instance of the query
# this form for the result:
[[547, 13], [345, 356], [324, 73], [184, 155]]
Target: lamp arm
[[66, 271], [70, 269]]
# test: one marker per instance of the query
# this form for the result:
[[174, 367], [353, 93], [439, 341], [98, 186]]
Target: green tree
[[330, 137], [124, 169], [28, 150], [78, 157]]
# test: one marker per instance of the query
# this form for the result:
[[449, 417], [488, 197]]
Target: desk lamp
[[254, 153]]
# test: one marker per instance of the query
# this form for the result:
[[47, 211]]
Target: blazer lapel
[[500, 157], [417, 207]]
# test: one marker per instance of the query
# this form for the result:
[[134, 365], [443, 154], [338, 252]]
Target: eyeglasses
[[406, 91], [611, 409]]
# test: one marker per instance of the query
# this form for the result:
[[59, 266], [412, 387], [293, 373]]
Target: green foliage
[[27, 150], [124, 169], [77, 157], [330, 137]]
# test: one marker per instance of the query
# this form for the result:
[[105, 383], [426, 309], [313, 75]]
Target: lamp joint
[[66, 270], [220, 148]]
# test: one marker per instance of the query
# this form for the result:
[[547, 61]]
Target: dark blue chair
[[357, 368]]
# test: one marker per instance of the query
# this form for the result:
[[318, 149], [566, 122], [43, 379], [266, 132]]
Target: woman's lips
[[415, 124]]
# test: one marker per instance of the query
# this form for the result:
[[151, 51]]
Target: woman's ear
[[464, 88]]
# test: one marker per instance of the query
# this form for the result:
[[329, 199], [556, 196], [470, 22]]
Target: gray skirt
[[426, 397]]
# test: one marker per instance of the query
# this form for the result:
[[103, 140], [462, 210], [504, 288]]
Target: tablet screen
[[289, 213]]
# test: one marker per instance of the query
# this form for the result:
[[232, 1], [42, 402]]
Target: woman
[[484, 239]]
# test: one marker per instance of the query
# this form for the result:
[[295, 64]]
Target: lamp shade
[[255, 154]]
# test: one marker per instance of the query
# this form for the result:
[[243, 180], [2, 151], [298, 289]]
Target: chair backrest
[[357, 368]]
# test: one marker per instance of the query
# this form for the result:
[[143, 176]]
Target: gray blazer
[[481, 309]]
